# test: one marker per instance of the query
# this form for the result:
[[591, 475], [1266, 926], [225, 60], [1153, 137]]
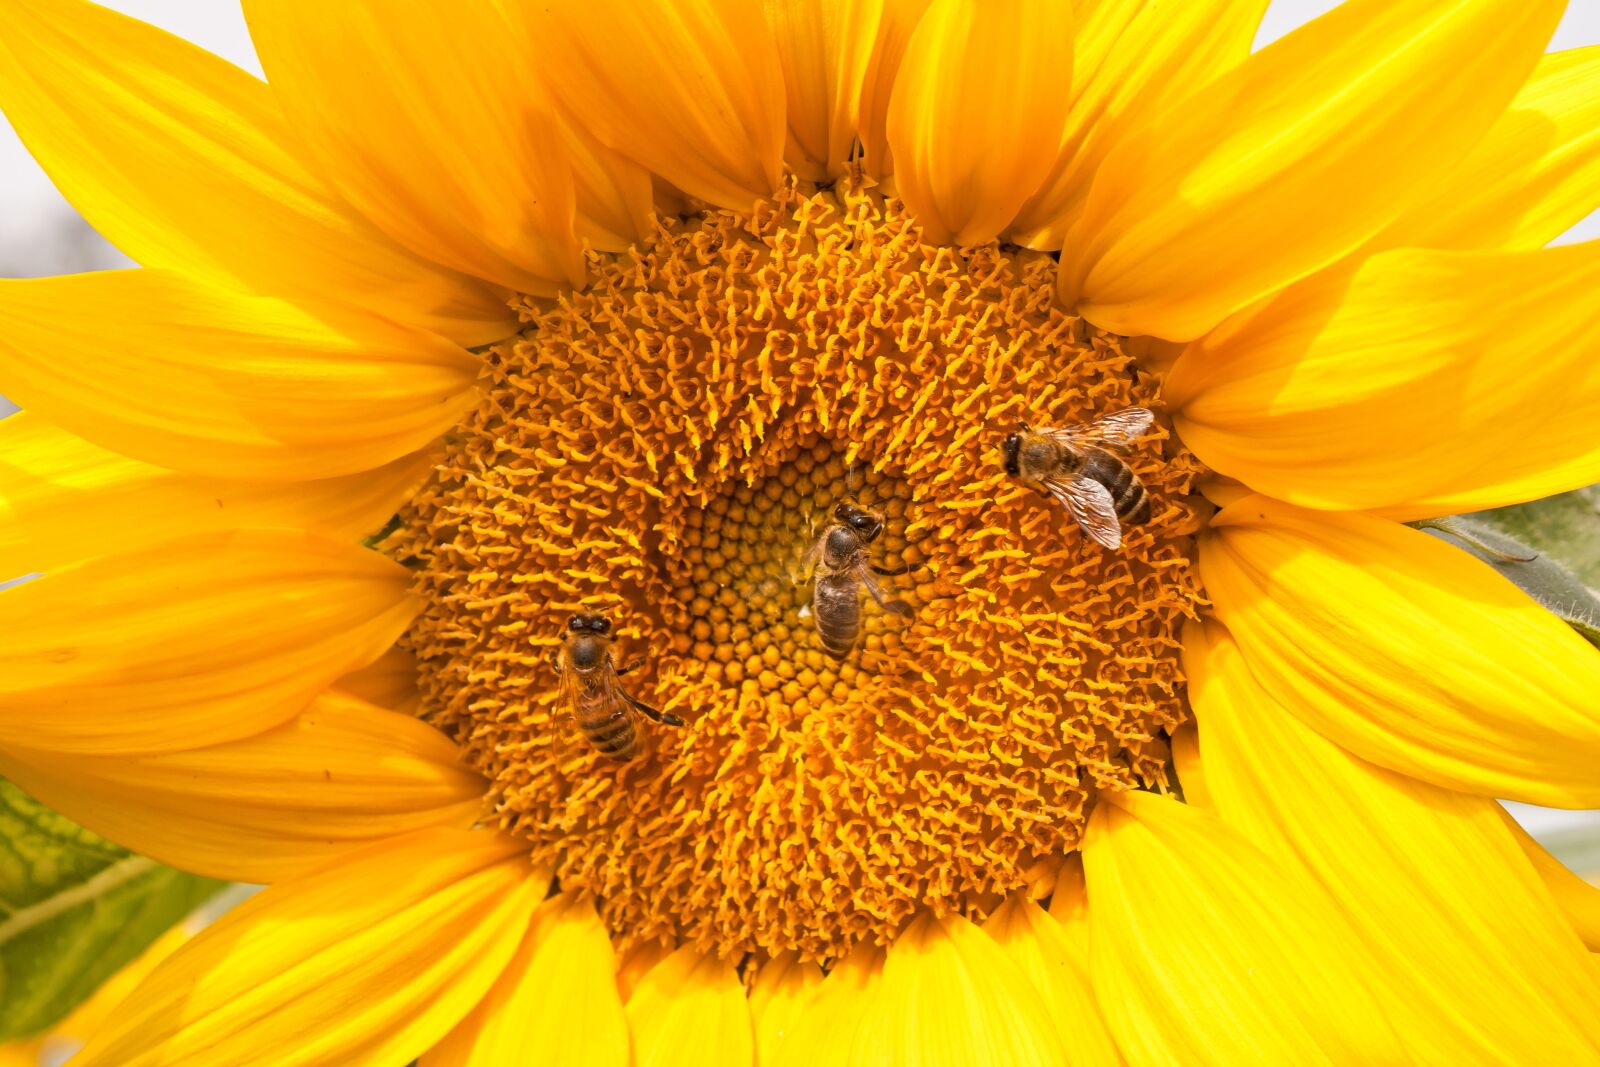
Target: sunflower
[[476, 317]]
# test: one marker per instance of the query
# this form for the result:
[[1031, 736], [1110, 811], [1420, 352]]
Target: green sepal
[[1556, 588]]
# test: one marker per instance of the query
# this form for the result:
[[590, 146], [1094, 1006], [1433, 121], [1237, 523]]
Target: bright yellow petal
[[1186, 758], [637, 962], [63, 499], [1059, 969], [825, 47], [1535, 175], [896, 23], [340, 775], [200, 379], [1069, 905], [556, 1003], [1204, 951], [1417, 383], [616, 202], [690, 89], [466, 165], [390, 681], [184, 161], [1473, 955], [1578, 900], [196, 641], [1408, 652], [839, 1021], [1211, 208], [1131, 62], [691, 1009], [782, 990], [951, 997], [370, 961], [961, 168]]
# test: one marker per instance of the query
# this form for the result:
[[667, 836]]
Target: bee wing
[[1117, 429], [1092, 507], [864, 575]]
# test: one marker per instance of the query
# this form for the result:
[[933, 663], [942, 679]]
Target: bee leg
[[890, 572], [653, 714], [627, 668]]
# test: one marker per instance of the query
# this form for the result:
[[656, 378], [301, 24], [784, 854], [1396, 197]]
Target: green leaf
[[1565, 528], [74, 910]]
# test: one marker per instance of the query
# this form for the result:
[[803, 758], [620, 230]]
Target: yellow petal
[[1059, 969], [556, 1003], [690, 89], [1186, 758], [466, 166], [782, 990], [615, 201], [691, 1009], [1533, 176], [637, 962], [824, 47], [63, 499], [1131, 62], [1069, 905], [1408, 652], [200, 379], [961, 168], [390, 681], [1578, 900], [1207, 952], [896, 23], [1209, 208], [340, 775], [951, 997], [184, 161], [196, 641], [369, 961], [1418, 383], [1468, 952], [840, 1022]]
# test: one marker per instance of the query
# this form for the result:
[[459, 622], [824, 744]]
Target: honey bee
[[1080, 467], [590, 692], [842, 571]]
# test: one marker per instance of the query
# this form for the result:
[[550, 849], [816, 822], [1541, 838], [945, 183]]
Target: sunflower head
[[760, 697], [668, 447]]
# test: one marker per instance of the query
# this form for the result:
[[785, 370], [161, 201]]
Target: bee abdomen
[[608, 724], [836, 606], [1128, 494]]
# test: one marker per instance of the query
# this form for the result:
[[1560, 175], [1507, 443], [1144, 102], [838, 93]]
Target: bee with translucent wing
[[842, 572], [1082, 467], [593, 696]]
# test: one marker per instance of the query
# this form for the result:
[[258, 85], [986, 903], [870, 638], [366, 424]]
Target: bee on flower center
[[593, 696], [842, 571], [1082, 467]]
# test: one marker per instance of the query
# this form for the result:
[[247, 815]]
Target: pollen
[[664, 448]]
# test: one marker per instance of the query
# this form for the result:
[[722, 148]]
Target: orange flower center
[[665, 447]]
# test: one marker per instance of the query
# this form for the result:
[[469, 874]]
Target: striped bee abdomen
[[606, 719], [836, 606], [1128, 494]]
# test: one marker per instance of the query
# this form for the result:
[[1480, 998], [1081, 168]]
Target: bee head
[[862, 521], [1012, 446], [584, 644]]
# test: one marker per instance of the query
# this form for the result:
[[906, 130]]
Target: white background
[[40, 233]]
